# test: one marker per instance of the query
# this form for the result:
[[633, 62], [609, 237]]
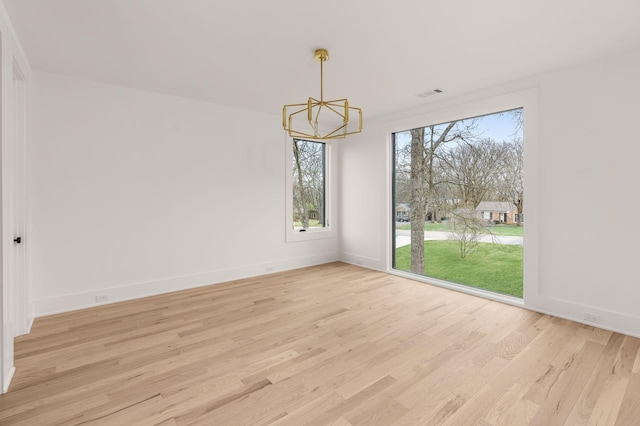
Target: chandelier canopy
[[305, 122]]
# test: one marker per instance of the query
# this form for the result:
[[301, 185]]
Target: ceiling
[[258, 54]]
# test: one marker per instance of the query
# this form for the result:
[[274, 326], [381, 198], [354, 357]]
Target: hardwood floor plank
[[630, 407], [526, 368], [627, 356], [607, 407], [636, 364], [333, 344], [565, 391], [596, 385], [379, 410]]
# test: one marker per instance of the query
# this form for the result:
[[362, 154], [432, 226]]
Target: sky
[[497, 126]]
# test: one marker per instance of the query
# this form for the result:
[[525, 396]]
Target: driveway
[[403, 237]]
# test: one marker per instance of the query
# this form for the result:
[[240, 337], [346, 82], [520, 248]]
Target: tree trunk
[[417, 201], [520, 208], [430, 184], [421, 186]]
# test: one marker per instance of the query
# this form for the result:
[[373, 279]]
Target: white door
[[15, 309], [22, 296]]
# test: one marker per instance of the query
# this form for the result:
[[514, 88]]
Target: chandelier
[[304, 120]]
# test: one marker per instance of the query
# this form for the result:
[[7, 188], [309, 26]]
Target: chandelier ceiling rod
[[339, 107], [321, 55]]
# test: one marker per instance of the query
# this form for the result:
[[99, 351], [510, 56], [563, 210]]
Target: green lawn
[[428, 226], [512, 230], [493, 267], [312, 223]]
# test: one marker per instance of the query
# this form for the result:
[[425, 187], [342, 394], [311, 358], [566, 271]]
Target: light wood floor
[[328, 345]]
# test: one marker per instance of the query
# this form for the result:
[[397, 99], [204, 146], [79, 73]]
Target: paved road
[[403, 237]]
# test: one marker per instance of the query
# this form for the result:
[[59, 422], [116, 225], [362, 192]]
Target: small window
[[309, 158], [308, 190]]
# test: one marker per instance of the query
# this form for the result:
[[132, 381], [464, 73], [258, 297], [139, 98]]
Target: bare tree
[[517, 117], [474, 169], [418, 204], [466, 227], [512, 180], [425, 143], [308, 185], [451, 179], [402, 174]]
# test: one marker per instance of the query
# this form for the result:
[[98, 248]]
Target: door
[[15, 309], [22, 296]]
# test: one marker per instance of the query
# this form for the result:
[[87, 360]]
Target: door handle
[[17, 240]]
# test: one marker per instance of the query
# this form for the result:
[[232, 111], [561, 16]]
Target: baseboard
[[607, 319], [364, 261], [31, 320], [72, 302], [7, 380]]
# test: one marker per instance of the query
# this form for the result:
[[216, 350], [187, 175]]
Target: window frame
[[293, 234], [478, 105]]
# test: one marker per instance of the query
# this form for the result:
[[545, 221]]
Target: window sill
[[310, 234]]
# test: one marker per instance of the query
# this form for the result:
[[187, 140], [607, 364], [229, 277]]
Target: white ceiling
[[258, 54]]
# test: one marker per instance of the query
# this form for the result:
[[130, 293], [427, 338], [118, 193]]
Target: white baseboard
[[7, 380], [72, 302], [608, 320], [31, 320], [367, 262]]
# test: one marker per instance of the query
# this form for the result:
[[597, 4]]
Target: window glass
[[309, 184], [461, 186]]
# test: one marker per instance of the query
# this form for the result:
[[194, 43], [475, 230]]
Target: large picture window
[[458, 197]]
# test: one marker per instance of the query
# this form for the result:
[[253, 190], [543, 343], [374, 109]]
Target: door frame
[[16, 312]]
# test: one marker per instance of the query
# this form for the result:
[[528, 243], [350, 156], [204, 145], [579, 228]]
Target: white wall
[[136, 193], [583, 175]]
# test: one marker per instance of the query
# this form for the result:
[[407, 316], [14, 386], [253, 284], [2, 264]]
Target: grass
[[510, 230], [312, 223], [492, 267], [428, 226]]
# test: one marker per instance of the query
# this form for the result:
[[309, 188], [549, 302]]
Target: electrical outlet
[[591, 317], [101, 298], [269, 268], [358, 261]]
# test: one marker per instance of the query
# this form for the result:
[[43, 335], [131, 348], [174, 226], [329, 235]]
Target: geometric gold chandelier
[[306, 119]]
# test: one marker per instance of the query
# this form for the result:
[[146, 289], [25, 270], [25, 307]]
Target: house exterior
[[498, 212], [402, 212]]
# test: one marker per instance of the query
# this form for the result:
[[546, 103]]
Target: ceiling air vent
[[429, 93]]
